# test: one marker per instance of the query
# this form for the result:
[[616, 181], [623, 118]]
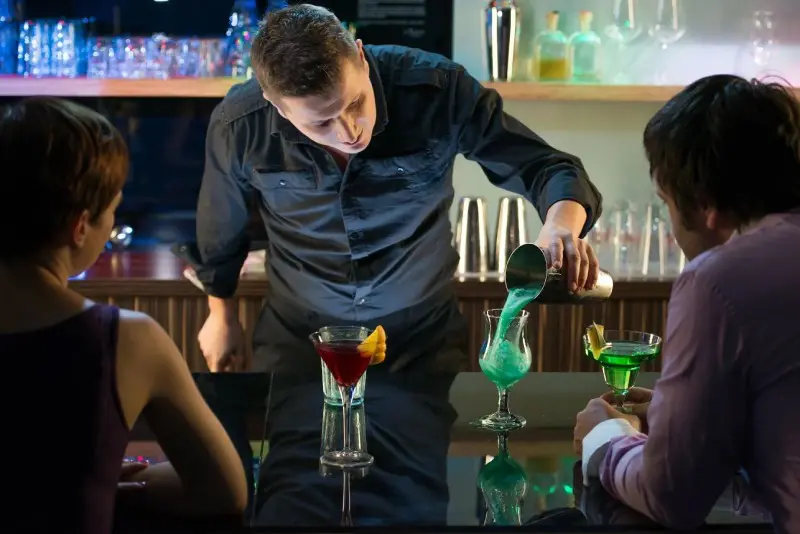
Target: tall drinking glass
[[338, 348], [505, 358]]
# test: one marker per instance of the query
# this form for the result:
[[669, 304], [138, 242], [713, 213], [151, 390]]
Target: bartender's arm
[[223, 243], [517, 160]]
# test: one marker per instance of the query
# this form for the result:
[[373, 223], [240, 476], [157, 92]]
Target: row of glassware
[[626, 51], [584, 57], [68, 48], [637, 242], [629, 240]]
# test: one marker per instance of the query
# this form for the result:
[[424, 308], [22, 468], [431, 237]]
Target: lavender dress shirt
[[728, 399]]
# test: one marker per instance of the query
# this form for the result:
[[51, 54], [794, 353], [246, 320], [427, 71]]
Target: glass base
[[346, 459], [500, 421]]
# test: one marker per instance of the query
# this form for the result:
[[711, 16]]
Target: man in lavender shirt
[[725, 157]]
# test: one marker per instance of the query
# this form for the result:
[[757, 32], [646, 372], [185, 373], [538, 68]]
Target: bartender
[[349, 150]]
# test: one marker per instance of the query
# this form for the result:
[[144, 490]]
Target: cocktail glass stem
[[502, 400], [347, 515], [619, 399], [347, 399]]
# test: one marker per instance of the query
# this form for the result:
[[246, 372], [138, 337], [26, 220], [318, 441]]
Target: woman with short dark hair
[[85, 371]]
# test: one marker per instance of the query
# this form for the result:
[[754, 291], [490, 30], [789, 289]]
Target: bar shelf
[[218, 88]]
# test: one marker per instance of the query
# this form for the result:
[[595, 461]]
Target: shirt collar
[[286, 129]]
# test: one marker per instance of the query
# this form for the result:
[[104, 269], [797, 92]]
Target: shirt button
[[361, 302], [282, 183], [401, 170]]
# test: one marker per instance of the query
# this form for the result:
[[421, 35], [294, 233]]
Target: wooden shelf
[[218, 88], [529, 91], [98, 87]]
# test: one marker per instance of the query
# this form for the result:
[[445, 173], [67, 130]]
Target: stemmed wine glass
[[505, 359], [338, 348], [668, 29], [619, 35]]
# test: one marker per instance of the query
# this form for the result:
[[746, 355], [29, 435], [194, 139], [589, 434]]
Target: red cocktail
[[338, 348], [344, 361]]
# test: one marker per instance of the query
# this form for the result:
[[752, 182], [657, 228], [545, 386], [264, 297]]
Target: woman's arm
[[204, 475]]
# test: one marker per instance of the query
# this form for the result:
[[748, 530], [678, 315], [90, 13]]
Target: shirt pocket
[[415, 172], [287, 193], [269, 180]]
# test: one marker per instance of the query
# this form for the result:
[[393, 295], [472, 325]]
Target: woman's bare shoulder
[[141, 335]]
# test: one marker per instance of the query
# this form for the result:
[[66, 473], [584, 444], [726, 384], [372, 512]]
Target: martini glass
[[621, 359], [338, 348], [505, 359]]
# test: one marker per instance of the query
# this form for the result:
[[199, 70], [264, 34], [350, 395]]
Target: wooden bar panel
[[151, 284]]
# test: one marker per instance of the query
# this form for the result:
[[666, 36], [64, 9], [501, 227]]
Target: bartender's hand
[[222, 342], [564, 249]]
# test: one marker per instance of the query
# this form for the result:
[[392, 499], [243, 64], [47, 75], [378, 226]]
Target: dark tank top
[[64, 432]]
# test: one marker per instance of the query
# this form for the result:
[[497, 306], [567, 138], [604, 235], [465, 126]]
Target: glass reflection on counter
[[503, 483]]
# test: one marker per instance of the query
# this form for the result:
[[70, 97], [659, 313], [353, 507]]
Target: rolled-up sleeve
[[516, 159], [697, 417], [222, 211]]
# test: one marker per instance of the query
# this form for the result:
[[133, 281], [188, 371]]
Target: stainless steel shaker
[[527, 268], [471, 237], [511, 230], [502, 22]]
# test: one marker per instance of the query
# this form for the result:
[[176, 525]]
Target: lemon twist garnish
[[597, 343], [374, 347]]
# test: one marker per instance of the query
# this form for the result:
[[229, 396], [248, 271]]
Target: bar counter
[[424, 476], [152, 282]]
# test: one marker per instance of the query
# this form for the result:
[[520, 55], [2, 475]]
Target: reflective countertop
[[431, 469]]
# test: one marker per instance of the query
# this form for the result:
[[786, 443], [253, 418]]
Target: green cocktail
[[622, 356], [505, 359]]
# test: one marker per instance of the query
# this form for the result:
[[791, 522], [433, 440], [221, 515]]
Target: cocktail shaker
[[471, 237], [511, 230], [527, 268], [502, 21]]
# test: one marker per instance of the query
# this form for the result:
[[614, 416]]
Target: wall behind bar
[[606, 136]]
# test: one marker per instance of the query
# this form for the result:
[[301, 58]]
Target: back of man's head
[[730, 144], [299, 51]]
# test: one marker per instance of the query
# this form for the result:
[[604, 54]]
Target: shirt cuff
[[595, 444]]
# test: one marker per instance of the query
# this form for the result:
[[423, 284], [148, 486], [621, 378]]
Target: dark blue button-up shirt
[[364, 243]]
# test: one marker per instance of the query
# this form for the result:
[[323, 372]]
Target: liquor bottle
[[242, 27], [584, 48], [551, 61]]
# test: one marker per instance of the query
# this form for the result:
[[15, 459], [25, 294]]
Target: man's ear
[[362, 57]]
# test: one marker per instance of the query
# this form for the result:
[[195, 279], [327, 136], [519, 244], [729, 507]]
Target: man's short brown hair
[[298, 51], [728, 143], [59, 159]]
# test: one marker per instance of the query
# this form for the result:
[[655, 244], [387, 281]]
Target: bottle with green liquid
[[584, 52]]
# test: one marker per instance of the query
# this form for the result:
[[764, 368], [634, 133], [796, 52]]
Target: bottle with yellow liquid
[[551, 53]]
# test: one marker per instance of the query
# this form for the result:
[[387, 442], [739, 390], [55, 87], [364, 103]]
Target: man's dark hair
[[298, 51], [730, 144], [59, 159]]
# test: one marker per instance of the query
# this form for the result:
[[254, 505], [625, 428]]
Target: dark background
[[166, 137]]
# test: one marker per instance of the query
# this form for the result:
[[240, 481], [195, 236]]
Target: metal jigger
[[527, 268]]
